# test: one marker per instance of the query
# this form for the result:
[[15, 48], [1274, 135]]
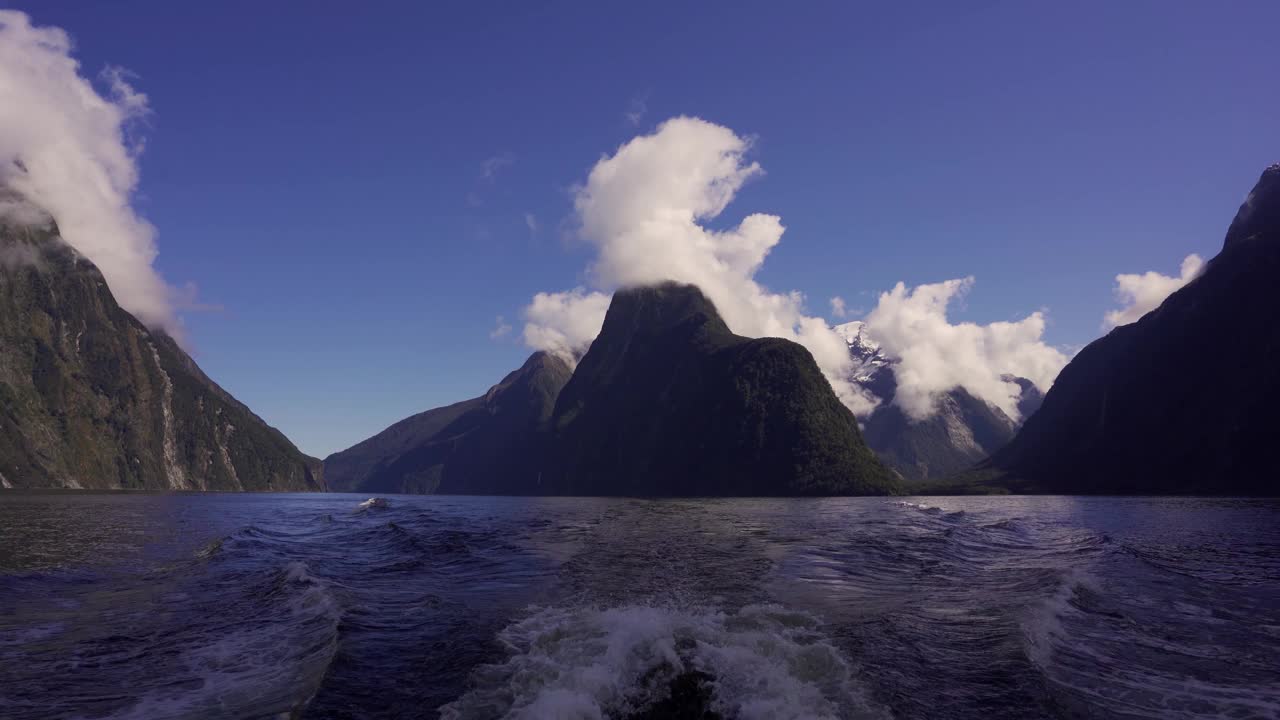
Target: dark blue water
[[252, 606]]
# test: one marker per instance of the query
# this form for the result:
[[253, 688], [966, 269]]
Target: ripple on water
[[937, 608]]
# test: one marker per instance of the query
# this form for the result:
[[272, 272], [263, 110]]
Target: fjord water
[[246, 606]]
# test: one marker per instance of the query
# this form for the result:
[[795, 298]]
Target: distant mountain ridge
[[90, 398], [493, 444], [1123, 416], [666, 401], [963, 430]]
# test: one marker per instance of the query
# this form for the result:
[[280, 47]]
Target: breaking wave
[[373, 503], [762, 661]]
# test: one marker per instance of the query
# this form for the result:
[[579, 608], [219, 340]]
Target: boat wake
[[641, 661], [260, 650], [1182, 662], [938, 609]]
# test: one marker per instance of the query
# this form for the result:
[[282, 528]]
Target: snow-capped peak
[[854, 333]]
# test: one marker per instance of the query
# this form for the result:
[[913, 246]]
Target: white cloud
[[68, 149], [565, 323], [19, 211], [1140, 294], [642, 209], [935, 356], [501, 329], [531, 222], [636, 110], [492, 166]]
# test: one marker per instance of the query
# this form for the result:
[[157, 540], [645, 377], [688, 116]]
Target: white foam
[[374, 502], [585, 663], [931, 509]]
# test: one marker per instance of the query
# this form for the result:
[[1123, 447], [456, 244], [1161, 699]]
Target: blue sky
[[349, 183]]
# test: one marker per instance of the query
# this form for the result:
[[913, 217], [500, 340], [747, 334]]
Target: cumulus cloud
[[68, 149], [1140, 294], [934, 356], [21, 212], [643, 210], [565, 323], [531, 222], [501, 329]]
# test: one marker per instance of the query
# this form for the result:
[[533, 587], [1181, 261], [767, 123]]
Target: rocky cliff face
[[668, 402], [90, 398], [1136, 412]]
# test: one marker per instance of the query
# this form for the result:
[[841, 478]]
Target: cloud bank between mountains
[[67, 149], [935, 356], [643, 210]]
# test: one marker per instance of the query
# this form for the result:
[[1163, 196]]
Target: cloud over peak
[[643, 210], [68, 149], [565, 323], [1140, 294]]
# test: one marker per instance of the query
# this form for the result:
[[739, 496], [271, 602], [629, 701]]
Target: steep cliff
[[669, 402], [90, 398], [1138, 411]]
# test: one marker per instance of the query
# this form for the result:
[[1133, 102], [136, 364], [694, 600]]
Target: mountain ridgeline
[[493, 444], [1141, 411], [667, 401], [91, 398]]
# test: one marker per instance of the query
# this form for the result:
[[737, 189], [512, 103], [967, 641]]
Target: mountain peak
[[542, 373], [537, 362], [668, 401], [662, 306], [1260, 211], [854, 333]]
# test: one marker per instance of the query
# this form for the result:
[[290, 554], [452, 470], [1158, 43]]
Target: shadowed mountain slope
[[90, 398], [669, 402], [1139, 410]]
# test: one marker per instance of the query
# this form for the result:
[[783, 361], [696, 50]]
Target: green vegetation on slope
[[91, 398], [669, 402]]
